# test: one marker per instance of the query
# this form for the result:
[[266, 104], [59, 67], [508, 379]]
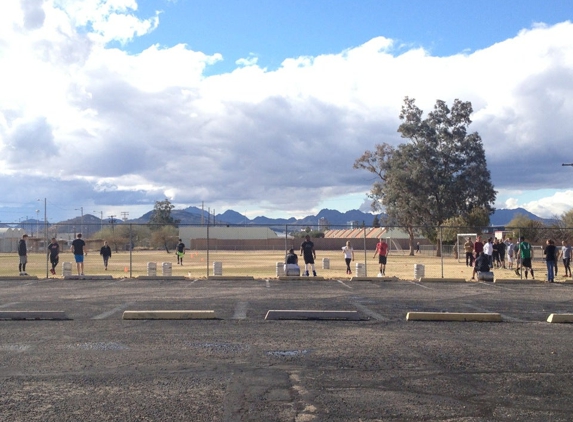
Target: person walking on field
[[54, 252], [309, 255], [180, 251], [348, 256], [525, 252], [382, 252], [77, 248], [469, 249], [565, 255], [105, 253], [23, 255]]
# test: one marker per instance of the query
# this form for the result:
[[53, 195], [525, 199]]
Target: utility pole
[[112, 221], [124, 215]]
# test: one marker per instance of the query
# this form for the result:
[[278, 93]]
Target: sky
[[262, 106]]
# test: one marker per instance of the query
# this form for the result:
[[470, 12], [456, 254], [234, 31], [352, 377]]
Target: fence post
[[130, 251], [365, 254], [442, 251], [207, 248]]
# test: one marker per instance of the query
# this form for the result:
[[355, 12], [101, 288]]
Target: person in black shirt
[[78, 251], [54, 251], [23, 254], [105, 253], [180, 251], [550, 259], [309, 255]]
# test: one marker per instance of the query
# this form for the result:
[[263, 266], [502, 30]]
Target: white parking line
[[268, 283], [344, 284], [7, 305], [369, 312], [418, 284], [113, 311], [497, 286], [240, 310]]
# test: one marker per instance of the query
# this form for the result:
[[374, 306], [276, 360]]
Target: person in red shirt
[[382, 252], [478, 247]]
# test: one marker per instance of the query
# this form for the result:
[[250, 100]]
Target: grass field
[[259, 264]]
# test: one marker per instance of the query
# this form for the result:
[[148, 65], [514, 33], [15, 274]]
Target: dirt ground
[[259, 264]]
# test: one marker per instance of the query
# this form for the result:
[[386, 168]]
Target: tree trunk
[[411, 240]]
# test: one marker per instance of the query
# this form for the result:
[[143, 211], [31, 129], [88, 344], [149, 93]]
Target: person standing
[[309, 255], [550, 252], [469, 249], [77, 248], [382, 252], [495, 261], [565, 255], [525, 252], [510, 253], [488, 250], [54, 252], [180, 251], [501, 247], [478, 247], [348, 256], [23, 255], [105, 253]]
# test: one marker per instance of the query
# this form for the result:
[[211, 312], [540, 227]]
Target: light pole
[[45, 231], [37, 225], [81, 209], [101, 220]]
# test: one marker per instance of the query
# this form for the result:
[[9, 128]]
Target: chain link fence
[[435, 246]]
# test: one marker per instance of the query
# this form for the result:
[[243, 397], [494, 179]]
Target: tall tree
[[441, 173], [161, 215]]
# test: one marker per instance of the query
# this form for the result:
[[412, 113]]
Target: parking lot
[[241, 367]]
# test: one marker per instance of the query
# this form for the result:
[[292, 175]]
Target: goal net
[[460, 240]]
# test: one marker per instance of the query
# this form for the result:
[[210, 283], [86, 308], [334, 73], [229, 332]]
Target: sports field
[[259, 264]]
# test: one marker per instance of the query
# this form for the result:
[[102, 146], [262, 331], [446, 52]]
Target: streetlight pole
[[100, 220], [81, 209], [45, 232]]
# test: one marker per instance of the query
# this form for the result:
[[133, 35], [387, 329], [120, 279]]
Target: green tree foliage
[[162, 215], [532, 230], [312, 233], [376, 222], [439, 174], [165, 237]]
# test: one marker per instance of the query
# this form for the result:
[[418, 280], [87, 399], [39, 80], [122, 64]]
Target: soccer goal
[[460, 240]]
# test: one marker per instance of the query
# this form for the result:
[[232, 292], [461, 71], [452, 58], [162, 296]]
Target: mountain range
[[192, 215]]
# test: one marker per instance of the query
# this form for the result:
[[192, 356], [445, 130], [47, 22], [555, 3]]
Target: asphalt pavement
[[96, 366]]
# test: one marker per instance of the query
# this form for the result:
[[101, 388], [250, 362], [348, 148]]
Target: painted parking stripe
[[113, 311], [344, 284], [369, 312], [7, 305], [418, 284]]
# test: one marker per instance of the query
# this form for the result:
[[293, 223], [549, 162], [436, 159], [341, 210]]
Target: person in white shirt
[[348, 256], [488, 250]]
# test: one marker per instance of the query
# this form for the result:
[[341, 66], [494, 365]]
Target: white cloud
[[118, 127]]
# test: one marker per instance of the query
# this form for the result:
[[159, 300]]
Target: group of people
[[77, 248], [308, 253], [484, 256]]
